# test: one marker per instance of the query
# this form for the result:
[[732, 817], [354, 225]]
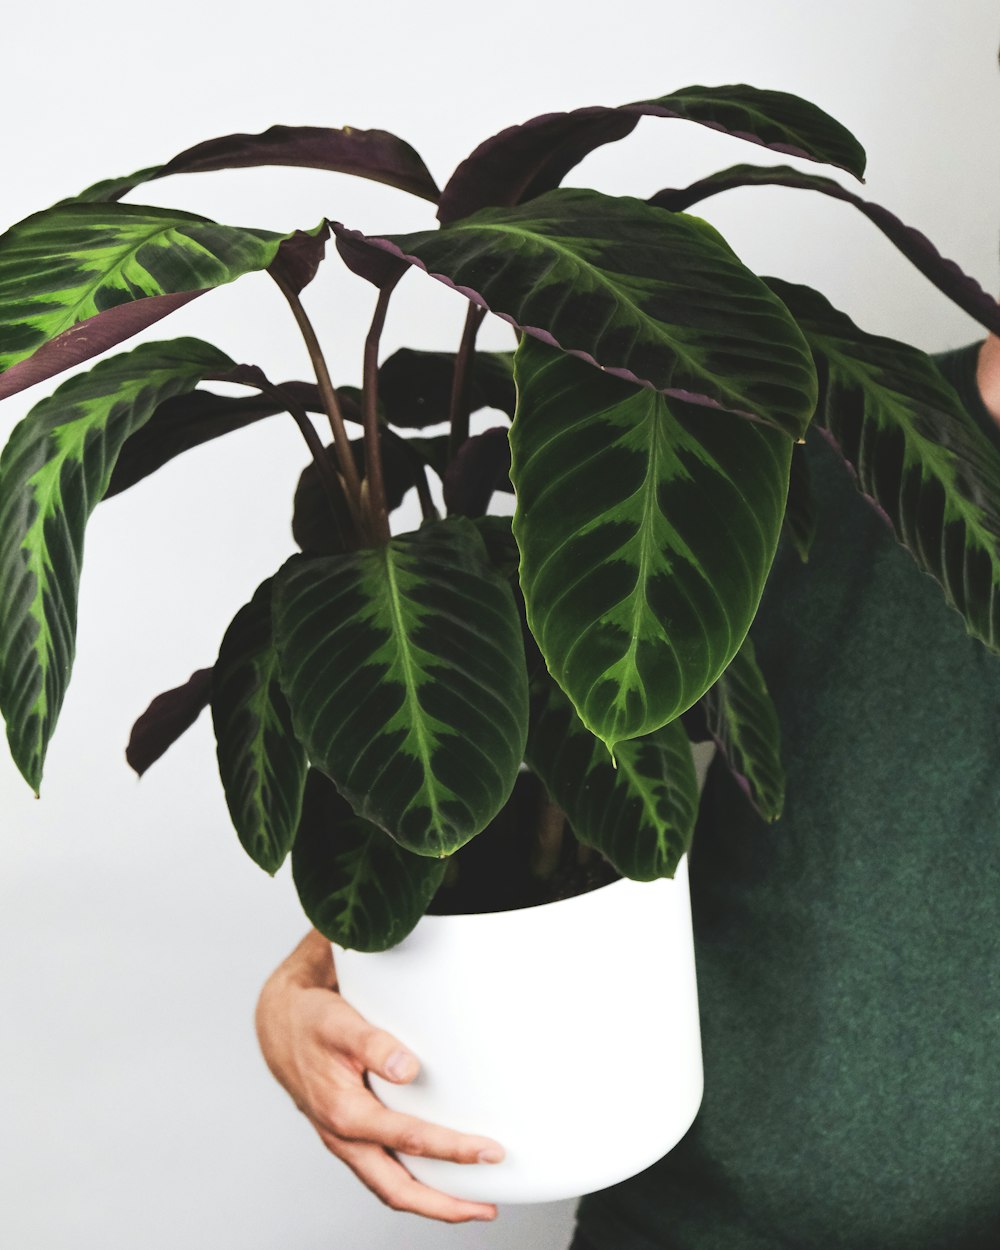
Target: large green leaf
[[405, 672], [916, 453], [79, 278], [744, 723], [800, 514], [647, 527], [638, 810], [262, 765], [415, 387], [53, 473], [359, 888], [655, 297]]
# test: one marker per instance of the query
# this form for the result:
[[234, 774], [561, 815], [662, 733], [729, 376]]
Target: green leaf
[[651, 296], [77, 279], [415, 387], [262, 766], [53, 473], [800, 514], [647, 528], [358, 887], [405, 672], [744, 724], [641, 814], [916, 453]]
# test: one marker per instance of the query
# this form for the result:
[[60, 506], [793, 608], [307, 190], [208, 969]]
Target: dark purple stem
[[378, 514], [458, 411]]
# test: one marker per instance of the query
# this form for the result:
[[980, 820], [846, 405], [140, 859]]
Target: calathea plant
[[468, 713]]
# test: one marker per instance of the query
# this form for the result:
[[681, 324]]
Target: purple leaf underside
[[168, 716], [373, 154], [89, 338], [945, 274], [524, 161]]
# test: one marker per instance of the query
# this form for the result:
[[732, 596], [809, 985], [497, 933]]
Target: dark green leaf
[[525, 161], [262, 766], [800, 514], [481, 467], [321, 524], [744, 724], [640, 814], [77, 279], [170, 714], [916, 247], [651, 296], [647, 528], [357, 886], [415, 387], [405, 672], [916, 453], [53, 473], [374, 154]]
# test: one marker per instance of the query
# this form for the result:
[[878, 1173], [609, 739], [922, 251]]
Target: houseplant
[[651, 493]]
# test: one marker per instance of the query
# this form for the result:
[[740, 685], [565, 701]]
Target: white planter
[[567, 1032]]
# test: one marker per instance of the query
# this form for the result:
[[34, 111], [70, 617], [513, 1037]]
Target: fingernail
[[492, 1154], [400, 1065]]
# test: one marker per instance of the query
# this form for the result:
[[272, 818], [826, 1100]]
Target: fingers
[[370, 1049], [357, 1116], [393, 1185]]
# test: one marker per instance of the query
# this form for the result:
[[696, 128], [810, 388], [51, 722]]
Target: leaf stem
[[458, 409], [328, 394], [333, 483], [378, 511], [549, 835]]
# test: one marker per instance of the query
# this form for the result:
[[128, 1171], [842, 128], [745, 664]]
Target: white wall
[[134, 1110]]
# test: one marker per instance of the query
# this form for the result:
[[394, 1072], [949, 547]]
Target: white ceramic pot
[[567, 1032]]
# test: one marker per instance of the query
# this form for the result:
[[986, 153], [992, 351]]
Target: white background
[[134, 932]]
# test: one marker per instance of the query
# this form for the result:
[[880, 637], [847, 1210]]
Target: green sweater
[[848, 955]]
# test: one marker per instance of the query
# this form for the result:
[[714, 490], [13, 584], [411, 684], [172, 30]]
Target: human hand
[[988, 375], [319, 1049]]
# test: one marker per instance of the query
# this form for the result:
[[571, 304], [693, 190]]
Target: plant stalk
[[549, 835], [377, 509], [328, 393], [458, 408]]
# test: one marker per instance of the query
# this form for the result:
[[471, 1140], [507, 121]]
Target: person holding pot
[[848, 955]]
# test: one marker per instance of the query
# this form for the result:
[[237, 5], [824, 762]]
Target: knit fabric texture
[[849, 954]]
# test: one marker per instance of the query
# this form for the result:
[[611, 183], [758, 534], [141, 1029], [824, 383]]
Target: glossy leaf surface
[[524, 161], [958, 286], [743, 722], [77, 279], [647, 528], [358, 886], [800, 512], [640, 815], [373, 154], [262, 766], [916, 452], [53, 473], [651, 296], [405, 672]]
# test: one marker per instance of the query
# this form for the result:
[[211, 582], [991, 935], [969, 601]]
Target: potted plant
[[479, 717]]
